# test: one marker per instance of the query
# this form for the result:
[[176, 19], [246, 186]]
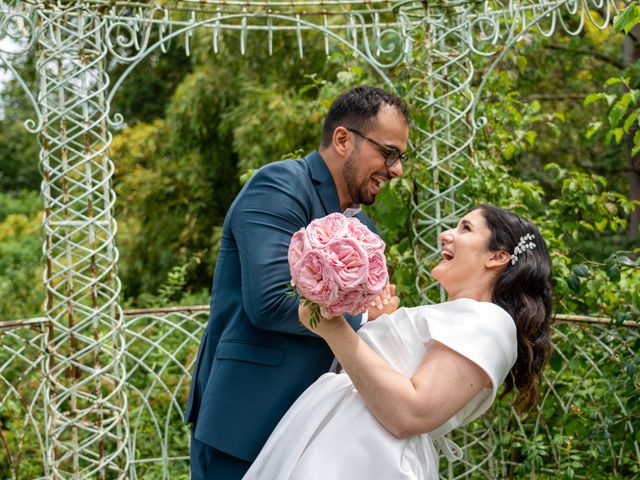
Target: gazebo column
[[443, 136], [87, 428]]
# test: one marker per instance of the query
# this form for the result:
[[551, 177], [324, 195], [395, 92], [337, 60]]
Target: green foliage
[[628, 18], [276, 121], [586, 423], [26, 202], [20, 257], [623, 117], [392, 217], [144, 95], [18, 158]]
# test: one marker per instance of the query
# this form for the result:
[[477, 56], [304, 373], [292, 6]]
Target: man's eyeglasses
[[391, 154]]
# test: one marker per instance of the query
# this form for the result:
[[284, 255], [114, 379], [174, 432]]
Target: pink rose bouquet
[[338, 265]]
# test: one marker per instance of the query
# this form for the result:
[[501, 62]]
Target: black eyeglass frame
[[391, 154]]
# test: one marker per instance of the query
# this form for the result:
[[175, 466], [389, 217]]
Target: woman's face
[[464, 256]]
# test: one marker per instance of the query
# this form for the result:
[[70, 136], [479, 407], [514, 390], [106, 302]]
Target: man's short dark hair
[[358, 108]]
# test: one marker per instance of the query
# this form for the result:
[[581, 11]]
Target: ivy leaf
[[626, 261], [613, 81], [601, 225], [615, 134], [574, 283], [615, 115], [581, 270], [627, 19], [521, 62], [624, 101], [593, 129], [628, 123], [613, 273], [594, 97]]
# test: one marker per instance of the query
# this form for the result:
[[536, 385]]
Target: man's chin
[[367, 198]]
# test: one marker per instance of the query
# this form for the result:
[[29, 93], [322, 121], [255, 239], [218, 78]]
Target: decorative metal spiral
[[17, 37], [443, 134], [86, 404]]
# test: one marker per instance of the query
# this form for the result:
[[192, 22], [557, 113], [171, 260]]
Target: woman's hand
[[386, 302], [325, 325]]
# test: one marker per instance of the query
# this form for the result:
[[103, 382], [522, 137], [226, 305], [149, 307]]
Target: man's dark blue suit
[[255, 358]]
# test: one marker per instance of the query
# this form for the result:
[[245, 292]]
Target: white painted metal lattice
[[91, 420]]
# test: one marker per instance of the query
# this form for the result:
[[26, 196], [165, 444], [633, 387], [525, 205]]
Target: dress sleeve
[[480, 331]]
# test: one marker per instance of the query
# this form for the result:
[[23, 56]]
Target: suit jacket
[[255, 358]]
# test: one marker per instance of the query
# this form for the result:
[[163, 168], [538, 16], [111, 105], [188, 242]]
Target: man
[[255, 358]]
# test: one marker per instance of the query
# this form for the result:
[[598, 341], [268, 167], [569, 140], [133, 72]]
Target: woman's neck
[[479, 294]]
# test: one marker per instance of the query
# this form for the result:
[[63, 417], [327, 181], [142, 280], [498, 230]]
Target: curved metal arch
[[367, 56], [515, 37]]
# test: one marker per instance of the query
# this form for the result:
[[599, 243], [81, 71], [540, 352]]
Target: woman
[[417, 373]]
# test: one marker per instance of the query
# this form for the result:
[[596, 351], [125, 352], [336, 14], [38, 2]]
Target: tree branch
[[555, 96], [591, 53]]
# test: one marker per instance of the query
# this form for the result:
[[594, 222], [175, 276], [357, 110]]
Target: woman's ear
[[498, 259]]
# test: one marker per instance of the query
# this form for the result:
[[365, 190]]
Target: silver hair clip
[[524, 245]]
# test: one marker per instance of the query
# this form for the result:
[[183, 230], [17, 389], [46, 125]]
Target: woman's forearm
[[388, 394]]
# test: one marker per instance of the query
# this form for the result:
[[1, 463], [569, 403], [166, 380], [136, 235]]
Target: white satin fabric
[[329, 434]]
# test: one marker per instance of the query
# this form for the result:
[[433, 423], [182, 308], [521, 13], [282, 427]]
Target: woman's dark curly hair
[[524, 290]]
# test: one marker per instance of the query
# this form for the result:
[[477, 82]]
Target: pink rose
[[297, 247], [323, 230], [350, 302], [377, 276], [349, 263], [365, 237], [314, 278]]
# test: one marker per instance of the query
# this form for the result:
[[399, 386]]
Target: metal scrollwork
[[508, 28], [128, 40], [17, 38]]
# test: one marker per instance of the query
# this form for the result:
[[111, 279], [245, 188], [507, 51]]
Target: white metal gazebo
[[93, 398]]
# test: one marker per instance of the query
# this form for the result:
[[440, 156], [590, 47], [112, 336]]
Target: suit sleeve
[[275, 206]]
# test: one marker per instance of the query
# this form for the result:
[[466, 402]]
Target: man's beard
[[359, 192]]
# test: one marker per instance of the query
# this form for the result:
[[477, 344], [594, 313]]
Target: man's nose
[[395, 170]]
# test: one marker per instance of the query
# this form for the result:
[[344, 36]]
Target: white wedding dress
[[329, 434]]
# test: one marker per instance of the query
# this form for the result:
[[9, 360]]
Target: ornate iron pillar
[[443, 133], [86, 406]]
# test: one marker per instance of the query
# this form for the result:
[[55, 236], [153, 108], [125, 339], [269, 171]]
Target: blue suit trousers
[[208, 463]]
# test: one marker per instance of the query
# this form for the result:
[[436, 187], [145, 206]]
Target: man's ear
[[497, 259], [342, 141]]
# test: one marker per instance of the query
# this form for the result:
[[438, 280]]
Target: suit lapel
[[323, 183]]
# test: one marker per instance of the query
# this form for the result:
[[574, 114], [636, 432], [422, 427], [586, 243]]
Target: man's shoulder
[[290, 166], [287, 172]]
